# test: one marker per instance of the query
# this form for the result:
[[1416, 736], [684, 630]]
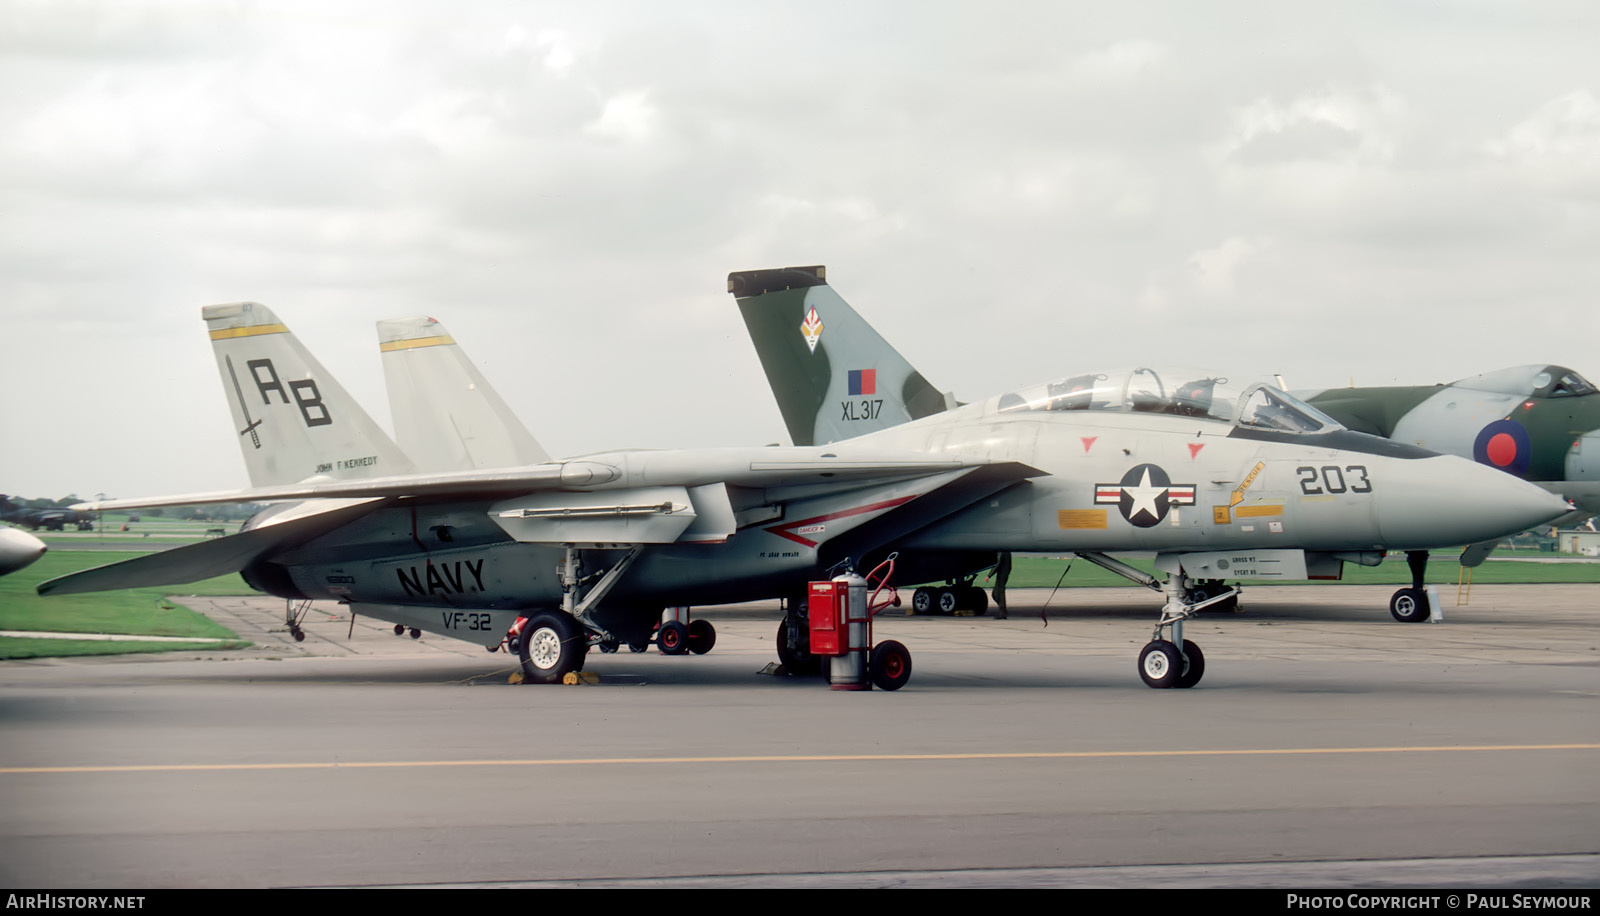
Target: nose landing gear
[[1410, 605]]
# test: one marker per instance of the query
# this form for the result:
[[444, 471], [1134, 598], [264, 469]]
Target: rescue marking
[[787, 758], [1250, 478]]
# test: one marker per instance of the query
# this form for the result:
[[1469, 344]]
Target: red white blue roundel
[[1503, 444], [1144, 495]]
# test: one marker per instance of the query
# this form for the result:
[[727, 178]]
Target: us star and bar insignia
[[1145, 495]]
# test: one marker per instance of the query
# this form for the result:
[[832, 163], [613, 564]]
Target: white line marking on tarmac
[[795, 758]]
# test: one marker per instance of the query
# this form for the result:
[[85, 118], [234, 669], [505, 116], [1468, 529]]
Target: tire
[[922, 601], [1160, 664], [1409, 605], [673, 638], [702, 636], [802, 664], [1194, 665], [638, 647], [890, 665], [552, 645], [949, 601]]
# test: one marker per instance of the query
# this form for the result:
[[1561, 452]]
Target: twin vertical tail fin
[[294, 421], [447, 417], [833, 376]]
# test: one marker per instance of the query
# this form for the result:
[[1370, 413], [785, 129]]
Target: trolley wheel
[[890, 665], [416, 633], [1160, 664], [607, 646], [1194, 665], [672, 638], [638, 647], [552, 645], [399, 629], [702, 636]]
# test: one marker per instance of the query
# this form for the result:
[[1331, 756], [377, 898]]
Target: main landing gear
[[554, 643], [950, 599], [1410, 605], [1169, 660], [550, 644]]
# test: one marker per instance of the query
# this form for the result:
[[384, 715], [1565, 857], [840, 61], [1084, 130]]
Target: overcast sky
[[1398, 193]]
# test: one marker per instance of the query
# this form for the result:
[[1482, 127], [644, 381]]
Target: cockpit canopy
[[1174, 391], [1534, 381]]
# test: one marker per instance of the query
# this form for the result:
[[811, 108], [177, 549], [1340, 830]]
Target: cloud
[[1122, 61], [628, 117]]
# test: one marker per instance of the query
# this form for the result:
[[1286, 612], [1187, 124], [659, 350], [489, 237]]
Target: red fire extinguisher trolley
[[840, 615]]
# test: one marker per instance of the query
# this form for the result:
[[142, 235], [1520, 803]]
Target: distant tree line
[[220, 512]]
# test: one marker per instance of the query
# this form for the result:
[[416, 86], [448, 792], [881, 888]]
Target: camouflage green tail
[[833, 376]]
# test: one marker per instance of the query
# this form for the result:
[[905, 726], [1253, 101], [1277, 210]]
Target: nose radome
[[1445, 501]]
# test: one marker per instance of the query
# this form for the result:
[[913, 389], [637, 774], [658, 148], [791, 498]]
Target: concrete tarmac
[[1327, 746]]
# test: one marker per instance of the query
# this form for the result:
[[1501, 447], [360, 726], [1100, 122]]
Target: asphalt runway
[[1328, 746]]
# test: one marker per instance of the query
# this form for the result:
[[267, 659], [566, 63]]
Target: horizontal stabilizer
[[204, 560], [465, 483]]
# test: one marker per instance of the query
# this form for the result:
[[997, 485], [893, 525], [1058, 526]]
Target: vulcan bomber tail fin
[[294, 421], [833, 376], [446, 415]]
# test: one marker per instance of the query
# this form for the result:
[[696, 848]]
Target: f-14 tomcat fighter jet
[[562, 555], [849, 382]]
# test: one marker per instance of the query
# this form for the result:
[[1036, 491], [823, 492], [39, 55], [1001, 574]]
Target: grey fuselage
[[1101, 481]]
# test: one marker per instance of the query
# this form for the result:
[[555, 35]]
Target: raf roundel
[[1503, 444]]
